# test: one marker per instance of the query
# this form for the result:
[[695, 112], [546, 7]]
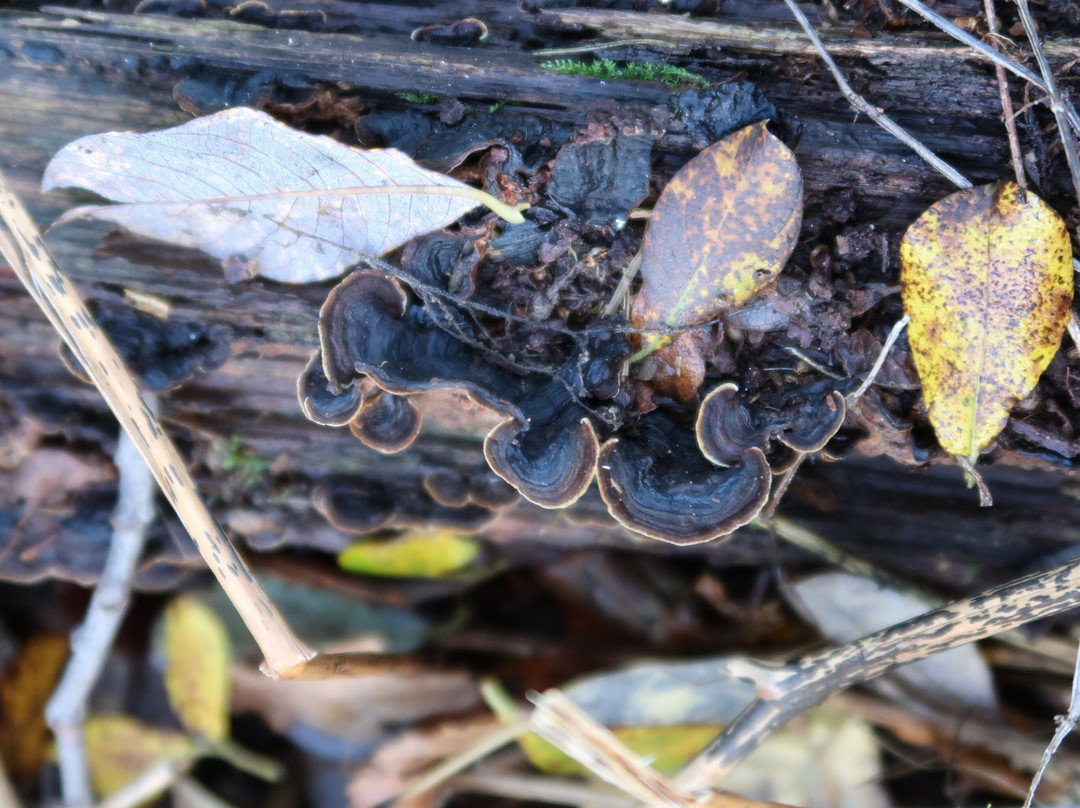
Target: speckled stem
[[810, 681]]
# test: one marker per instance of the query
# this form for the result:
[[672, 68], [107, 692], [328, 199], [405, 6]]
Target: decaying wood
[[68, 73]]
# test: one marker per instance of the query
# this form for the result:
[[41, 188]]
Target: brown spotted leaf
[[987, 281], [723, 228], [262, 198]]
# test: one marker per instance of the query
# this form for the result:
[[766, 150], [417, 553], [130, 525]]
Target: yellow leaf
[[413, 555], [723, 227], [666, 749], [26, 684], [197, 667], [120, 748], [987, 280]]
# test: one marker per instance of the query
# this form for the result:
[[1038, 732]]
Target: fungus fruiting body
[[659, 475], [546, 449], [803, 421], [656, 483], [324, 403], [386, 423]]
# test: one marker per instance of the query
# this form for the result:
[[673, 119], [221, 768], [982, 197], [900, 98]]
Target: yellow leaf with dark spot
[[723, 227], [666, 749], [119, 749], [413, 555], [197, 667], [987, 280], [26, 684]]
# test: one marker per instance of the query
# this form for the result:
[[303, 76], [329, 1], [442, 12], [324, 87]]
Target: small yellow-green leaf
[[119, 748], [412, 555], [667, 749], [723, 227], [197, 667], [987, 279]]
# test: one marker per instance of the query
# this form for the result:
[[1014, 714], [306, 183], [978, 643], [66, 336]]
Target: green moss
[[246, 467], [635, 71], [496, 107], [417, 98]]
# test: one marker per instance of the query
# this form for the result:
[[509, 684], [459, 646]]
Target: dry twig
[[860, 104], [286, 656], [574, 732], [1057, 105], [1065, 725], [1008, 117], [553, 790], [795, 688], [983, 49], [92, 640]]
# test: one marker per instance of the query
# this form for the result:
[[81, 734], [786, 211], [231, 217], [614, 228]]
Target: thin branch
[[1008, 117], [851, 399], [1065, 725], [983, 49], [860, 104], [575, 733], [149, 784], [494, 740], [1057, 106], [552, 790], [286, 655], [92, 640], [807, 683]]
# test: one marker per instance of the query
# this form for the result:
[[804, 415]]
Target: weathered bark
[[68, 74]]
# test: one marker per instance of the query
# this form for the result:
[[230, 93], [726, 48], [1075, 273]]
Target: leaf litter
[[780, 263], [262, 198]]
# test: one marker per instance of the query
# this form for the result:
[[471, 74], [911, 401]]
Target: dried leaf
[[197, 667], [827, 758], [723, 228], [26, 684], [987, 280], [261, 197], [350, 712], [120, 748], [399, 763], [846, 607], [412, 555]]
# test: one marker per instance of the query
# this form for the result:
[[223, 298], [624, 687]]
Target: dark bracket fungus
[[387, 423], [360, 507], [456, 490], [558, 474], [546, 452], [673, 493], [443, 261], [162, 353], [803, 421], [325, 403]]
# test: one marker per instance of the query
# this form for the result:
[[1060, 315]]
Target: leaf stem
[[652, 343], [244, 759]]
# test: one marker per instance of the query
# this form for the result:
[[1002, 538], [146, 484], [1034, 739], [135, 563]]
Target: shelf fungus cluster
[[659, 475]]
